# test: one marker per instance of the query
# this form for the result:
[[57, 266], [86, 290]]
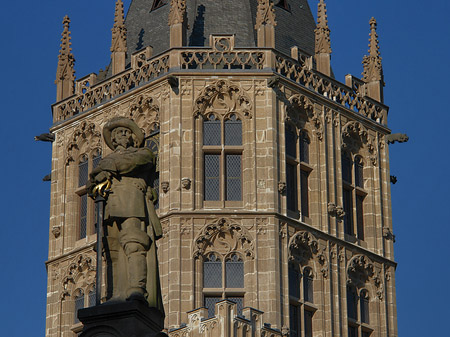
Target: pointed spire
[[323, 44], [322, 30], [373, 69], [65, 73], [119, 40], [119, 32], [265, 24], [177, 23]]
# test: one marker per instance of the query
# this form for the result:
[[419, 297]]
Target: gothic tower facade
[[273, 177]]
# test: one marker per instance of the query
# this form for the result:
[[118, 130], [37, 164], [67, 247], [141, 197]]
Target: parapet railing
[[145, 69]]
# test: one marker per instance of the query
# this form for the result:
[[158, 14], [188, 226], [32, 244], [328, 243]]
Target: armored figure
[[131, 224]]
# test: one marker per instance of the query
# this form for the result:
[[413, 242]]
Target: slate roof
[[146, 27]]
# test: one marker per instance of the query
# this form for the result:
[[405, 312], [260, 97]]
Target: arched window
[[297, 170], [358, 313], [92, 296], [222, 150], [78, 303], [223, 278], [353, 195], [301, 298]]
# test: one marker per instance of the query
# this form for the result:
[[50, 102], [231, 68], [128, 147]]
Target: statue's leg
[[135, 244]]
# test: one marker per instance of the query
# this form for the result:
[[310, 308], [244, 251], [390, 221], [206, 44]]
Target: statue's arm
[[128, 162]]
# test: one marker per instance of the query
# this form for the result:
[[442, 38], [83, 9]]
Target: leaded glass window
[[360, 216], [352, 303], [304, 147], [348, 209], [352, 331], [294, 282], [83, 170], [92, 297], [294, 320], [234, 173], [304, 192], [308, 289], [364, 306], [79, 304], [239, 304], [233, 131], [212, 131], [222, 148], [359, 181], [291, 142], [96, 159], [308, 319], [210, 304], [212, 177], [212, 271], [291, 187], [83, 216], [346, 168], [234, 271]]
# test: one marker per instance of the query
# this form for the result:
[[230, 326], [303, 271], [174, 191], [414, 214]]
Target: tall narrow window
[[222, 150], [83, 170], [352, 303], [223, 278], [353, 195], [86, 207], [152, 143], [297, 170], [78, 303], [358, 313], [212, 272], [301, 301]]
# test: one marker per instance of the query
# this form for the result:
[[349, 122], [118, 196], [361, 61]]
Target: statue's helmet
[[125, 122]]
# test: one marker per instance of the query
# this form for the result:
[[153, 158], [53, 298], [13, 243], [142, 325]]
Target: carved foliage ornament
[[300, 110], [81, 265], [85, 132], [265, 14], [303, 247], [224, 237], [361, 270], [223, 97], [355, 136], [145, 112]]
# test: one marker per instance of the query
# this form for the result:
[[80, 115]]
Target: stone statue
[[131, 224]]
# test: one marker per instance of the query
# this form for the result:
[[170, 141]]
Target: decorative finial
[[177, 12], [323, 45], [119, 32], [65, 73], [373, 70], [265, 14]]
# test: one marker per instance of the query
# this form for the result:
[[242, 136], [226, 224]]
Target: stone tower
[[274, 183]]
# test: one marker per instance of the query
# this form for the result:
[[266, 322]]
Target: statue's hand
[[97, 179]]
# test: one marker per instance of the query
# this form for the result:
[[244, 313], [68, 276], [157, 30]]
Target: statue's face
[[122, 137]]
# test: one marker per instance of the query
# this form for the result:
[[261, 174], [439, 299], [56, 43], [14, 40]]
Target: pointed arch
[[84, 139]]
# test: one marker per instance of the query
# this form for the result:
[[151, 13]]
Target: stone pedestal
[[124, 319]]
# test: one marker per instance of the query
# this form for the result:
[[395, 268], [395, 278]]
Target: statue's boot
[[137, 276]]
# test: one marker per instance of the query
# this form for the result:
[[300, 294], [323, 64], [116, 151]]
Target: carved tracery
[[223, 236], [361, 271], [79, 274], [85, 137], [356, 137], [223, 97], [304, 247], [300, 111], [144, 110]]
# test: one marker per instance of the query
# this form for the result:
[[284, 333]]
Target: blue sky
[[415, 46]]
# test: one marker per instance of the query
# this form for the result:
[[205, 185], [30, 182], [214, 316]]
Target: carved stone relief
[[85, 133], [223, 236], [300, 110]]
